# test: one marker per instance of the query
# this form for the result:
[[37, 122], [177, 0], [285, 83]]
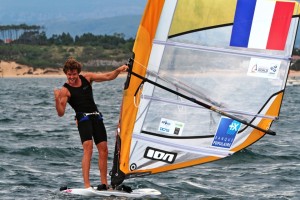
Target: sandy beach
[[15, 70], [294, 73]]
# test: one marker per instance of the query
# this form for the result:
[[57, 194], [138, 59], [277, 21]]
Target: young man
[[77, 91]]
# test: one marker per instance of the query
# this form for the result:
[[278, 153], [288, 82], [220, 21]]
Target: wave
[[46, 152]]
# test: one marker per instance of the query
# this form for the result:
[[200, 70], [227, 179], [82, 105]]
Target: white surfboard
[[110, 192]]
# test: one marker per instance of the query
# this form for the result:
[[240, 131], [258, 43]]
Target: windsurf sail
[[206, 80]]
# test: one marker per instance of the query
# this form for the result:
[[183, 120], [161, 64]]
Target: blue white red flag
[[261, 24]]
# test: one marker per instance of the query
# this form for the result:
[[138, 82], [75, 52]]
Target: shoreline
[[15, 70], [294, 74]]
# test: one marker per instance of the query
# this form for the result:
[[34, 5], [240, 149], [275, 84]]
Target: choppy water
[[40, 152]]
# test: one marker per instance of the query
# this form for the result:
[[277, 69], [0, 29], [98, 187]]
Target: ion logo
[[157, 154]]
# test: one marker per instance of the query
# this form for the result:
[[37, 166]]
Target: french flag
[[261, 24]]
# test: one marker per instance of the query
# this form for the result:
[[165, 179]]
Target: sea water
[[40, 151]]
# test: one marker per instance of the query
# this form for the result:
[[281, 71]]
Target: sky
[[75, 16], [55, 14], [22, 11]]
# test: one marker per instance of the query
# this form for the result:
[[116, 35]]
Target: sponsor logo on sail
[[170, 126], [226, 132], [160, 155], [265, 68], [165, 122]]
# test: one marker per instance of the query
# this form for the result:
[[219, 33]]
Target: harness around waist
[[81, 116]]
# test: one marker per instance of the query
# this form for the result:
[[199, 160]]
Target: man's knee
[[88, 147], [102, 148]]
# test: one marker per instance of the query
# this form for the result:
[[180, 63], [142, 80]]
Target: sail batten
[[194, 94], [198, 150], [180, 103], [220, 50]]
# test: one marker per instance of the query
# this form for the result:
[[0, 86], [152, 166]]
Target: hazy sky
[[37, 11]]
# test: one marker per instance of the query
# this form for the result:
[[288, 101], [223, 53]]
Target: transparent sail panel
[[238, 82]]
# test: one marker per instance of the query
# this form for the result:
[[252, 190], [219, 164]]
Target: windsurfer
[[77, 91]]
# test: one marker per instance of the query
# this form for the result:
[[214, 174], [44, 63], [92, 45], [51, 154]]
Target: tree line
[[13, 32], [29, 45], [296, 63], [35, 35]]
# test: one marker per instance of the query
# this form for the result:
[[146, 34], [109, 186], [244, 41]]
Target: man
[[77, 91]]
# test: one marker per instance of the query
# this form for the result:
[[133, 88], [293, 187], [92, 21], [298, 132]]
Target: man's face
[[72, 76]]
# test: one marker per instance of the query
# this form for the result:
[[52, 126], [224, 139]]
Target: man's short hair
[[72, 64]]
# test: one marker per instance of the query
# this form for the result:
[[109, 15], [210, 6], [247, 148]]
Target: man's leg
[[102, 161], [86, 162]]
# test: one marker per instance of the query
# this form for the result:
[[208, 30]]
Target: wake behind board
[[110, 192]]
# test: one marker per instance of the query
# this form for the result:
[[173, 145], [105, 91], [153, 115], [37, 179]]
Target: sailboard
[[206, 80], [92, 191]]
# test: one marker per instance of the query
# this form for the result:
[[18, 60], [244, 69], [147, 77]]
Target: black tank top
[[82, 99]]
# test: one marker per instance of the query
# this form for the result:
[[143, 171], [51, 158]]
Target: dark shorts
[[92, 128]]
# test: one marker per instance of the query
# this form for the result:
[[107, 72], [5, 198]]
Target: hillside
[[121, 24], [96, 52], [44, 57]]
